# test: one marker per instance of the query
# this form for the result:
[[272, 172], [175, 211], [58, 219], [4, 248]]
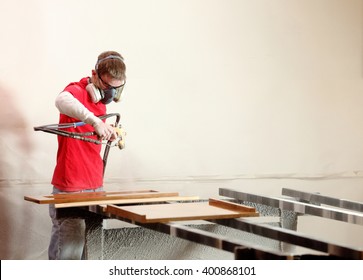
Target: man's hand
[[105, 131]]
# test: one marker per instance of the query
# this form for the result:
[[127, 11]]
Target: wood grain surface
[[158, 213], [97, 196]]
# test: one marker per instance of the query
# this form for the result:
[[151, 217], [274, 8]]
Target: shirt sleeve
[[68, 105]]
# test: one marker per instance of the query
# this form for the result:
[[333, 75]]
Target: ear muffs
[[95, 94]]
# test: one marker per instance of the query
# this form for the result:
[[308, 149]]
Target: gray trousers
[[68, 236]]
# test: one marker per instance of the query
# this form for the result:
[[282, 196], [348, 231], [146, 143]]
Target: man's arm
[[68, 105]]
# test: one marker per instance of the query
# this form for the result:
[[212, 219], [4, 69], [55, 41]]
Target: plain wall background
[[261, 94]]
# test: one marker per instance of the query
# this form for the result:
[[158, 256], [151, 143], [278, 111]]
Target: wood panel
[[98, 196], [158, 213]]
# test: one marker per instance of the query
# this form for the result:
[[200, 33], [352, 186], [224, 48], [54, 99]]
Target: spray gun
[[60, 129]]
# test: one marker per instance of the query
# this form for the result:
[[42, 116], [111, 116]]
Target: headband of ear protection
[[108, 95], [108, 57]]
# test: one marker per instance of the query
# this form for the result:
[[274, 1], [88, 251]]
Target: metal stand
[[252, 239]]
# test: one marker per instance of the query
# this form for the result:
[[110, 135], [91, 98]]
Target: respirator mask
[[109, 94], [106, 96]]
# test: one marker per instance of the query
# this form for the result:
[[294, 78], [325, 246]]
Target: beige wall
[[217, 91], [215, 88]]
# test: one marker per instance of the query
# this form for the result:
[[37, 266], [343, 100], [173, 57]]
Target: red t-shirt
[[79, 163]]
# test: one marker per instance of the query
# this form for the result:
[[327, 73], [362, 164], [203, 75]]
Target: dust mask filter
[[108, 95]]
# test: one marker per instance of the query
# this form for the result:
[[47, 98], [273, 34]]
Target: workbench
[[246, 225]]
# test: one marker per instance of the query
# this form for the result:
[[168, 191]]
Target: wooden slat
[[231, 205], [174, 212], [127, 201], [98, 196]]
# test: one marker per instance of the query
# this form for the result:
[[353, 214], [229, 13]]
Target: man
[[79, 166]]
